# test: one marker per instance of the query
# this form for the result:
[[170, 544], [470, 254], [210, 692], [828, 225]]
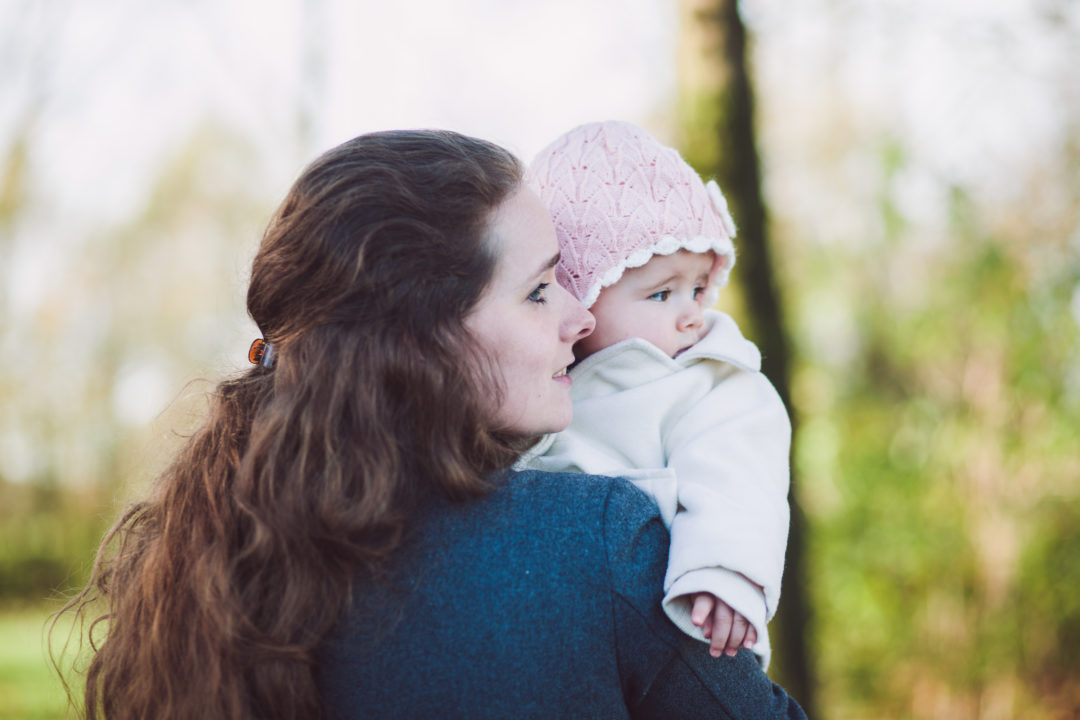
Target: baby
[[666, 392]]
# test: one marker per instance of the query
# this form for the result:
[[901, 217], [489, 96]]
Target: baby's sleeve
[[730, 455], [665, 674]]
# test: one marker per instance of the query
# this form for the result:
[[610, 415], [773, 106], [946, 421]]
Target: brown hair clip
[[261, 353]]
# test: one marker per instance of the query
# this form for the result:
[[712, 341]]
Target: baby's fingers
[[751, 638], [721, 629], [702, 609], [740, 629]]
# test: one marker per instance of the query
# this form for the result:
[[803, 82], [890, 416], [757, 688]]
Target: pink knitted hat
[[618, 197]]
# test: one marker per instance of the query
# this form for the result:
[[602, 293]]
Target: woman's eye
[[537, 295], [660, 296]]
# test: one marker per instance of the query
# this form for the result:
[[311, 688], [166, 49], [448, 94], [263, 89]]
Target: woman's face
[[526, 322]]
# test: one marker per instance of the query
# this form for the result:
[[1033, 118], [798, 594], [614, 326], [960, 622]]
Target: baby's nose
[[692, 317]]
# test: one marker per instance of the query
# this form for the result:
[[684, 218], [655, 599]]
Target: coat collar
[[636, 361]]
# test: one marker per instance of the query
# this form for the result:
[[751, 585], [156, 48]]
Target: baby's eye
[[660, 296], [699, 292], [537, 295]]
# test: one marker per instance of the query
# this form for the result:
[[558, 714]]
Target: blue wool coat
[[540, 600]]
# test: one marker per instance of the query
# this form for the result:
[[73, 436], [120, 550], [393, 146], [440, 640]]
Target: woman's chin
[[550, 416], [557, 422]]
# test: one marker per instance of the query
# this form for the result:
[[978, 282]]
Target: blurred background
[[906, 179]]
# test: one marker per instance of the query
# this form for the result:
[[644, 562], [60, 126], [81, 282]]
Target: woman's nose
[[579, 322]]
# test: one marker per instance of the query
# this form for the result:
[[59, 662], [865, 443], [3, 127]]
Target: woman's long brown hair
[[218, 589]]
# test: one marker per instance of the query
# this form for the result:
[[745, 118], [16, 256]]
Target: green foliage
[[29, 688], [47, 540], [942, 481], [1046, 593]]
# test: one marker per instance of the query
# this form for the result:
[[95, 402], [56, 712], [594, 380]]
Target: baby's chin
[[667, 347], [684, 345], [672, 349], [683, 348]]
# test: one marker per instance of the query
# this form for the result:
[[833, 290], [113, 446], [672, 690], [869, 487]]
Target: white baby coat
[[705, 434]]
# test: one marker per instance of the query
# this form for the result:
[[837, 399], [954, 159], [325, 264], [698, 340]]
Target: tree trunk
[[717, 119]]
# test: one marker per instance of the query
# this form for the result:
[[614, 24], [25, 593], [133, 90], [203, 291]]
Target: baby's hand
[[723, 627]]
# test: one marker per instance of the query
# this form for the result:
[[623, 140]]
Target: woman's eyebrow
[[549, 264], [542, 269]]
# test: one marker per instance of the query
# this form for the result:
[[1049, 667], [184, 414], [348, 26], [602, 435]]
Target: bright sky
[[126, 79], [122, 81]]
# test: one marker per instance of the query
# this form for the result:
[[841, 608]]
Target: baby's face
[[662, 301]]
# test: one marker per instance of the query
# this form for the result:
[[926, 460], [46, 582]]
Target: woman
[[343, 536]]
